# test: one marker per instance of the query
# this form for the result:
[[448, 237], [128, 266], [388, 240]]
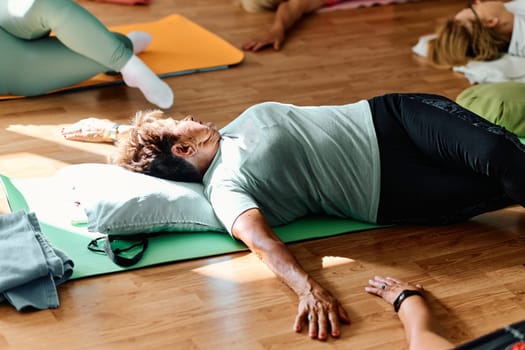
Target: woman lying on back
[[482, 31]]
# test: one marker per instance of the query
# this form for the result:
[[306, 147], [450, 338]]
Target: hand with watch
[[421, 333], [94, 130], [409, 302]]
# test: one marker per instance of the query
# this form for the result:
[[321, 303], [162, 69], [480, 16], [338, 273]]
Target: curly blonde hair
[[147, 149], [259, 5], [456, 45]]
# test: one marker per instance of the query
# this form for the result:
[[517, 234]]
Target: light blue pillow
[[118, 201]]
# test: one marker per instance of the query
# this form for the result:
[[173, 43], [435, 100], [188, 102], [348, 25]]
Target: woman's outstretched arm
[[322, 312], [95, 130], [288, 13], [413, 311]]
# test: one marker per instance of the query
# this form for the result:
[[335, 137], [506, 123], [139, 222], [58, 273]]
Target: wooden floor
[[474, 271]]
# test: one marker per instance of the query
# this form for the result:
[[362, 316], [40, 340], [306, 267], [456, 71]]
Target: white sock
[[140, 40], [136, 74]]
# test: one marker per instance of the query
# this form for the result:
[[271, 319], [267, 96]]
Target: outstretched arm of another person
[[414, 313], [95, 130], [288, 13], [317, 307]]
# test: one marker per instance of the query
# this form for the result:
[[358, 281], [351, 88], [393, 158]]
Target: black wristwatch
[[405, 294]]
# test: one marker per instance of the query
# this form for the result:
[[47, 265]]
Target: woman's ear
[[183, 150], [492, 22]]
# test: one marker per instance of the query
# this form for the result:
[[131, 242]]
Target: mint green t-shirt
[[292, 161]]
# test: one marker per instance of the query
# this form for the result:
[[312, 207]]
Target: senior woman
[[482, 31], [392, 159]]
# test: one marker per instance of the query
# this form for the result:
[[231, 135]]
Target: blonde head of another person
[[479, 32]]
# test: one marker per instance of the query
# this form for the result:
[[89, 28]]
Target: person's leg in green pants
[[33, 62]]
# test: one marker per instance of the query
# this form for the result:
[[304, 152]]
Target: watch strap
[[402, 297]]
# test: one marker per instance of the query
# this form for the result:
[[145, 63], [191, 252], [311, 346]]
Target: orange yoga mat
[[179, 46]]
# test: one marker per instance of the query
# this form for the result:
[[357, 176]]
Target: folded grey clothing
[[31, 267]]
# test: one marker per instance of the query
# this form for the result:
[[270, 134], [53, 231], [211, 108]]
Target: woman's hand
[[90, 130], [273, 38], [321, 312], [389, 288]]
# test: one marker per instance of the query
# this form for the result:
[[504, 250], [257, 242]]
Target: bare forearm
[[317, 307], [278, 258], [273, 252], [420, 330], [289, 12], [95, 130]]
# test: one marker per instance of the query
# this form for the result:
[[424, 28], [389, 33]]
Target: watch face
[[113, 133]]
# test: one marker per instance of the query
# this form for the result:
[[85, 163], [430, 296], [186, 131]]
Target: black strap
[[405, 294], [114, 253]]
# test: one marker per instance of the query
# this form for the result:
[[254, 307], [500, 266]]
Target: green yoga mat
[[171, 247]]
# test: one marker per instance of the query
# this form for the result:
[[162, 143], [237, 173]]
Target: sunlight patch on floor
[[247, 268], [330, 261]]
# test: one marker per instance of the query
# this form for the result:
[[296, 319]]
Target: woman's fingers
[[335, 324], [378, 285], [89, 129], [388, 288], [393, 280], [300, 320], [312, 325], [322, 324]]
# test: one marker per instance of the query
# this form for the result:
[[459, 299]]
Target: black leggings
[[441, 163]]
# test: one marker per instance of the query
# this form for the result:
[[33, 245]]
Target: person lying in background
[[34, 62], [287, 14], [482, 31]]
